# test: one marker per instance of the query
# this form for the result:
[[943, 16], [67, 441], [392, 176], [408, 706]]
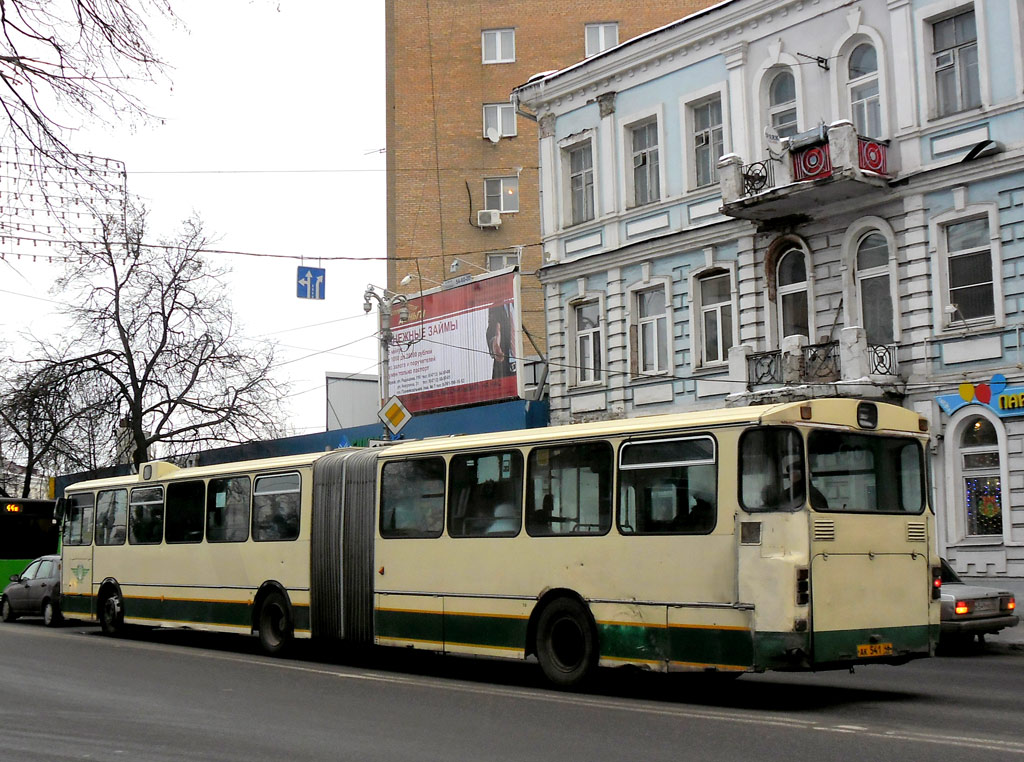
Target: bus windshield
[[858, 473]]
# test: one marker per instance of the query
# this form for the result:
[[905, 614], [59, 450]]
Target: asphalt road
[[73, 694]]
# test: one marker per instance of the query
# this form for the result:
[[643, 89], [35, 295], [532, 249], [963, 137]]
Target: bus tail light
[[936, 582], [803, 586]]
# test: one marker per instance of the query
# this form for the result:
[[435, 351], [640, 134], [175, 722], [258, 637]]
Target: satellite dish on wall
[[493, 135]]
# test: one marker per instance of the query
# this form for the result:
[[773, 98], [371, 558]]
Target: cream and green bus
[[795, 536]]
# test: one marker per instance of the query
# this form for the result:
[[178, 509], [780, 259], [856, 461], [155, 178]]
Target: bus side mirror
[[59, 509]]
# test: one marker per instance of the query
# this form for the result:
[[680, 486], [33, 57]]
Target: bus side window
[[111, 517], [275, 507], [185, 511], [569, 490], [412, 498], [485, 494], [78, 521], [668, 486], [227, 510], [146, 525]]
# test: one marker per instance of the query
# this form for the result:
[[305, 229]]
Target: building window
[[500, 117], [499, 46], [651, 332], [600, 37], [955, 59], [707, 140], [499, 260], [981, 484], [862, 79], [794, 315], [782, 104], [589, 352], [876, 311], [969, 270], [715, 294], [502, 193], [644, 151], [581, 183]]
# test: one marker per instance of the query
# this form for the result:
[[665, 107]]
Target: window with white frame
[[793, 297], [782, 115], [644, 153], [707, 140], [502, 193], [873, 289], [499, 46], [980, 482], [955, 63], [971, 292], [714, 291], [499, 260], [588, 345], [650, 328], [500, 117], [600, 37], [581, 182], [862, 82]]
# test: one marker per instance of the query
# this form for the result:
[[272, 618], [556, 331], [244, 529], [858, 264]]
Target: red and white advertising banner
[[459, 346]]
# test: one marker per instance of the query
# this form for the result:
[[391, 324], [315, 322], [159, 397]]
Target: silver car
[[972, 610], [34, 592]]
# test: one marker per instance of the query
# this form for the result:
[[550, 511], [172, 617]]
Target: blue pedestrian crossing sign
[[312, 282]]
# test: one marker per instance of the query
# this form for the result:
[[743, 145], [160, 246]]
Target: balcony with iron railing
[[830, 163], [850, 366]]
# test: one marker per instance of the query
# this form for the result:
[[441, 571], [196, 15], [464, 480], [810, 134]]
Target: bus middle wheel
[[275, 627], [566, 643]]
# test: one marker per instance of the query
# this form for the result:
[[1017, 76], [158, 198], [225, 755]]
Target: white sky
[[259, 89]]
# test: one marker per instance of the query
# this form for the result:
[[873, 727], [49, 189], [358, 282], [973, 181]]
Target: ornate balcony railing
[[765, 367], [882, 360], [821, 362]]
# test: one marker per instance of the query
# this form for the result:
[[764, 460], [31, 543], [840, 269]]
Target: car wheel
[[6, 612], [275, 626], [112, 614], [51, 614], [566, 643]]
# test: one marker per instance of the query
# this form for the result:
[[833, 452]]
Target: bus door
[[869, 540], [77, 553]]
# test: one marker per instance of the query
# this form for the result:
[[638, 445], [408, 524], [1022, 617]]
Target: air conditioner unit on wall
[[488, 218]]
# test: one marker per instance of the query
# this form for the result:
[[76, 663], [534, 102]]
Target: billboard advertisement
[[458, 346]]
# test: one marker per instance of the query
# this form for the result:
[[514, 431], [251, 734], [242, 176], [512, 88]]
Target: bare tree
[[64, 57], [154, 324]]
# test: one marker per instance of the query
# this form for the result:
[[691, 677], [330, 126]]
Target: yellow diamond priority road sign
[[394, 415]]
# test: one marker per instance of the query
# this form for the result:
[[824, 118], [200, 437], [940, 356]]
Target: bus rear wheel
[[566, 643], [275, 628], [112, 614]]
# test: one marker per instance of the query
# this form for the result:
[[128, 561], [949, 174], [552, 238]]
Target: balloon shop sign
[[1003, 400]]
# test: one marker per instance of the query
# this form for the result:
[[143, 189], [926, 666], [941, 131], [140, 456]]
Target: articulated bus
[[795, 536], [27, 531]]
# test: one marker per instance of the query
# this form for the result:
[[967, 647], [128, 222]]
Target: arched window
[[876, 313], [981, 485], [782, 104], [862, 81], [794, 315]]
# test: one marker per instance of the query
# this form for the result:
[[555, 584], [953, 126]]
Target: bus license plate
[[874, 649]]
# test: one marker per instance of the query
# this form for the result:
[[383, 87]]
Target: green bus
[[27, 531]]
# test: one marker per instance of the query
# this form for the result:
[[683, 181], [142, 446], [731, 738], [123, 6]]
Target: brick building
[[462, 189]]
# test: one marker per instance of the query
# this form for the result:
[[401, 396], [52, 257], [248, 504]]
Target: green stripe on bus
[[410, 625], [187, 611], [488, 631], [76, 604], [841, 645]]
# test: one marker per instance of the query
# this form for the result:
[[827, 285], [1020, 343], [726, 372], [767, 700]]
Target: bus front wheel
[[275, 629], [112, 614], [566, 643]]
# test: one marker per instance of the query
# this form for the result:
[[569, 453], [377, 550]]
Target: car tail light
[[963, 607], [803, 587], [1007, 603], [936, 582]]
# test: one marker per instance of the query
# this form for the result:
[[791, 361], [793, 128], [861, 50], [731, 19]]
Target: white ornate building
[[775, 200]]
